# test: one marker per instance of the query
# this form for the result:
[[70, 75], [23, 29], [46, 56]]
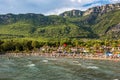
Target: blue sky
[[48, 7]]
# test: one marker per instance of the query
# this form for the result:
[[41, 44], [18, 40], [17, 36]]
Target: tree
[[27, 45], [35, 44], [8, 46]]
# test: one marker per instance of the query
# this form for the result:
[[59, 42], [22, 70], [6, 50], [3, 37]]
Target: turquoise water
[[39, 68]]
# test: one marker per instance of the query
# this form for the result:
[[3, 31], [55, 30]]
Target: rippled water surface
[[39, 68]]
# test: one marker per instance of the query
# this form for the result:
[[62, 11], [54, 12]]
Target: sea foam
[[45, 61], [31, 65], [92, 67]]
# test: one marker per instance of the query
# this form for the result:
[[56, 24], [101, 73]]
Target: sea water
[[41, 68]]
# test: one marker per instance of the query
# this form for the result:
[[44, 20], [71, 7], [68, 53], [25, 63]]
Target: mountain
[[98, 10], [72, 13], [37, 25], [97, 22]]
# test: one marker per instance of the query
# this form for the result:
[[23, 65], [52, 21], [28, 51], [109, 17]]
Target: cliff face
[[72, 13], [103, 9], [114, 29], [99, 10]]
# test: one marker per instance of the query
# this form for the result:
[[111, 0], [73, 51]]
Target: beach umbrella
[[64, 44]]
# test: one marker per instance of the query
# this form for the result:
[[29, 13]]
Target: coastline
[[49, 55]]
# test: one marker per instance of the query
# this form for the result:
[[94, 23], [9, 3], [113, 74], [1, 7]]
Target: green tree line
[[29, 45]]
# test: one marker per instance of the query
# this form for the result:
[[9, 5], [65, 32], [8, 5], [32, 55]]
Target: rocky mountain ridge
[[98, 9]]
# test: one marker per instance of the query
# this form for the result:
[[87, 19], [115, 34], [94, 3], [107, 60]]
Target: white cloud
[[75, 4], [48, 6], [88, 1], [72, 0], [83, 1], [58, 11], [114, 1], [37, 1], [79, 1], [61, 10]]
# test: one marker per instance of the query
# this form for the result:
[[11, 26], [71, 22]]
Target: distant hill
[[97, 22]]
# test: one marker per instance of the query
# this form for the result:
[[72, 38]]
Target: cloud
[[73, 0], [83, 1], [75, 4], [58, 11], [114, 1], [61, 10], [48, 6], [78, 1]]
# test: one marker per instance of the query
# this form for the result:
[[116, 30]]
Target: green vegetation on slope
[[104, 22], [94, 25]]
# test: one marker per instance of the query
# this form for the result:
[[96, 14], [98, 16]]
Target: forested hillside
[[94, 23]]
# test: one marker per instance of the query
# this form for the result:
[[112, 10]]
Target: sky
[[48, 7]]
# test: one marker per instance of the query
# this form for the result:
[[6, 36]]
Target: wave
[[75, 61], [31, 65], [115, 79], [45, 61], [54, 59], [92, 67]]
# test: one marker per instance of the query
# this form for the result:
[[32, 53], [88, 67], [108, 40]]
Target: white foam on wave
[[53, 59], [45, 61], [75, 61], [115, 79], [31, 65], [92, 67], [79, 64]]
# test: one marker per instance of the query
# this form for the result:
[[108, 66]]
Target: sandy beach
[[57, 55]]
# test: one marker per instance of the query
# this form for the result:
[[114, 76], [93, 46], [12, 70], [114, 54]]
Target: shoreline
[[73, 56]]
